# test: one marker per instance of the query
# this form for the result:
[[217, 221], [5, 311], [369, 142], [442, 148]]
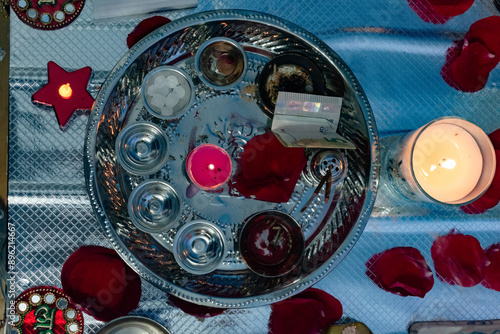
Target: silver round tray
[[330, 229]]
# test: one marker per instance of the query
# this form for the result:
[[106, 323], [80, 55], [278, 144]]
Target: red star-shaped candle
[[66, 92]]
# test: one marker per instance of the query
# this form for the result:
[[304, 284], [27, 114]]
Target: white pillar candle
[[447, 162]]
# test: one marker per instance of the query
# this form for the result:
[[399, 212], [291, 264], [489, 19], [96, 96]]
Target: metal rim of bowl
[[150, 323], [128, 166], [95, 196], [180, 233], [142, 227], [183, 74], [284, 267], [201, 75]]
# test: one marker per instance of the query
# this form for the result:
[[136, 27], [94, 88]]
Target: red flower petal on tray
[[269, 170], [102, 285], [458, 259], [402, 271], [194, 309], [308, 312], [492, 271], [470, 61], [144, 28], [491, 197]]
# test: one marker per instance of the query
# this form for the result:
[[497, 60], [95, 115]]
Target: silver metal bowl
[[228, 118]]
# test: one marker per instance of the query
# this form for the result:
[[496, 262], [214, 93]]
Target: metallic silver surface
[[397, 59], [133, 325], [142, 148], [154, 206], [210, 64], [199, 247], [183, 100], [329, 159], [209, 121]]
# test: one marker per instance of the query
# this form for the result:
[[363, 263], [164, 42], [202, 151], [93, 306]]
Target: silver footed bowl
[[228, 118]]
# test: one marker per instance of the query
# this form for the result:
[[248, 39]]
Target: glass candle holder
[[208, 166], [447, 161]]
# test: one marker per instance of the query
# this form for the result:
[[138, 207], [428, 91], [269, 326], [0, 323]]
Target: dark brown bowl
[[271, 243]]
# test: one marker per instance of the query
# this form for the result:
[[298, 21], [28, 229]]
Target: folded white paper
[[114, 8], [304, 120]]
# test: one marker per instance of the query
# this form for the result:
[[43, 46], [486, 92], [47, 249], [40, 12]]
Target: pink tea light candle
[[208, 166]]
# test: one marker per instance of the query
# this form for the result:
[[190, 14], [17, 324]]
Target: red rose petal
[[426, 12], [402, 271], [271, 191], [450, 7], [269, 170], [99, 281], [331, 306], [469, 62], [95, 273], [265, 158], [491, 197], [492, 270], [486, 31], [194, 309], [468, 68], [306, 313], [495, 139], [297, 316], [480, 205], [144, 28], [458, 259]]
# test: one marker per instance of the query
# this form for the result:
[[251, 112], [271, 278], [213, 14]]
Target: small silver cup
[[168, 92], [154, 206], [221, 63], [141, 148], [199, 247]]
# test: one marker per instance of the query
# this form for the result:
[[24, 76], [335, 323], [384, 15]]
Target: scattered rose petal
[[269, 170], [402, 271], [450, 7], [102, 285], [491, 197], [425, 11], [492, 271], [486, 31], [467, 68], [144, 28], [308, 312], [495, 139], [481, 205], [470, 61], [195, 310], [458, 259]]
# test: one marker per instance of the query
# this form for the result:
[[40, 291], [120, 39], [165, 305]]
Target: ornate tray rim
[[252, 301]]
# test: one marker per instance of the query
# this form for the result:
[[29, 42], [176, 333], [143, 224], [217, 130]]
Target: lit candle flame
[[65, 91], [211, 167]]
